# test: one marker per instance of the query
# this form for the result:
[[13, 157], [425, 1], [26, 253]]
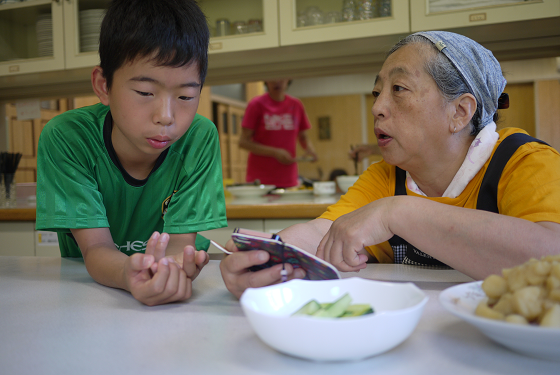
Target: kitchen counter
[[55, 319], [268, 207]]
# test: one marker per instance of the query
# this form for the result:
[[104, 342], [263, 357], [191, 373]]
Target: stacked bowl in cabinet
[[90, 25], [43, 27]]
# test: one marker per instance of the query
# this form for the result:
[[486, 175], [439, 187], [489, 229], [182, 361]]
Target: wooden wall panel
[[521, 111], [345, 129], [24, 138], [548, 111]]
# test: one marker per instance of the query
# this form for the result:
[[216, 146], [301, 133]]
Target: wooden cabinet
[[332, 26], [17, 238], [24, 138], [228, 117]]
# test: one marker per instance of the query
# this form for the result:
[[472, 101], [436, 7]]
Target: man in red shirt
[[272, 124]]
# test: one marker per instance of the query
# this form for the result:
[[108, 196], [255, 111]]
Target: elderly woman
[[450, 191]]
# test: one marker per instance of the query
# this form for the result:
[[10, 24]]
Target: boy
[[113, 176]]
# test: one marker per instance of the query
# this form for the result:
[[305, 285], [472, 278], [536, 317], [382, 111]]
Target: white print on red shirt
[[279, 122]]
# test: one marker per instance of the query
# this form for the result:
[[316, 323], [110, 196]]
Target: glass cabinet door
[[82, 23], [241, 24], [309, 21], [446, 14], [31, 36]]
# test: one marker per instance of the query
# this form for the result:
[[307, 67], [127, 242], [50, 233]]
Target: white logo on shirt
[[133, 246], [279, 122]]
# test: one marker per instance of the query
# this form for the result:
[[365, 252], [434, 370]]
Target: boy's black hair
[[174, 32]]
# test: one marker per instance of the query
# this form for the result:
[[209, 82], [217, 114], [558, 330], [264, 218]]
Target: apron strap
[[488, 195]]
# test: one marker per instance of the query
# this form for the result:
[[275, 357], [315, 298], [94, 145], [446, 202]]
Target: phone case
[[281, 252]]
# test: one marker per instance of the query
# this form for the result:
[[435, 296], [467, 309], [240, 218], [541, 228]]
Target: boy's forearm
[[106, 266]]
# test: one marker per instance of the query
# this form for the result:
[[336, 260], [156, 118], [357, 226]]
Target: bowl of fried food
[[334, 320], [519, 309]]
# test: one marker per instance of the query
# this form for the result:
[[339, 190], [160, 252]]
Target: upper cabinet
[[511, 29], [448, 14], [31, 37], [82, 23], [312, 21], [241, 25], [51, 45], [46, 35]]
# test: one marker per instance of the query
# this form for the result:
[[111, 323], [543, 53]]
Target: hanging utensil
[[355, 158]]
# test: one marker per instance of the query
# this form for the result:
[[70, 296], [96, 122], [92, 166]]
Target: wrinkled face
[[152, 107], [411, 116]]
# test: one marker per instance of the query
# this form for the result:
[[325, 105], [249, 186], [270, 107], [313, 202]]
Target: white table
[[54, 319]]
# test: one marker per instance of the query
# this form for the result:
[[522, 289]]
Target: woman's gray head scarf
[[477, 65]]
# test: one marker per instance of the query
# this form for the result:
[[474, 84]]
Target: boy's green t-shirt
[[81, 183]]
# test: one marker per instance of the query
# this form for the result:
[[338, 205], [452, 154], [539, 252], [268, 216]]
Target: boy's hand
[[169, 284], [192, 260], [189, 260], [155, 279]]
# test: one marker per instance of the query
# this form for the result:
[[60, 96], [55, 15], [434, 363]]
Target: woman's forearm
[[475, 242]]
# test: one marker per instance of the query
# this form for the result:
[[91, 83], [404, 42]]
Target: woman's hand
[[237, 276], [344, 244]]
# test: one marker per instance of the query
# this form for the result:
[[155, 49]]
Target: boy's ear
[[99, 84]]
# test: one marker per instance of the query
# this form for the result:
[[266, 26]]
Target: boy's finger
[[172, 284], [151, 246], [159, 281], [140, 262], [184, 289], [161, 246], [201, 259], [189, 265]]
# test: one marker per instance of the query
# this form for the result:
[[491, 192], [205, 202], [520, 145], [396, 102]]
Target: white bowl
[[541, 342], [250, 190], [344, 182], [324, 187], [397, 309]]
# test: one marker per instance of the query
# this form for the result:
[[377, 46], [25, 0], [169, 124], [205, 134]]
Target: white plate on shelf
[[292, 192], [540, 342], [250, 191]]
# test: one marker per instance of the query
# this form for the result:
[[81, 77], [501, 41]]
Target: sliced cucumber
[[357, 310], [336, 309], [341, 308], [309, 308]]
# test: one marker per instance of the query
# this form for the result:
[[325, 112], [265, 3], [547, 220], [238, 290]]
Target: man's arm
[[306, 144], [246, 141]]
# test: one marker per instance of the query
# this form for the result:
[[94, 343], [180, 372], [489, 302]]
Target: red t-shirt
[[275, 124]]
